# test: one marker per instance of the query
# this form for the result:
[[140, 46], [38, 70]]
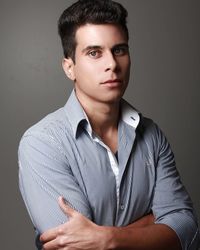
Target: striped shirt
[[61, 155]]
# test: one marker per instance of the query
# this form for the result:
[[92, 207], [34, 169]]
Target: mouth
[[112, 82]]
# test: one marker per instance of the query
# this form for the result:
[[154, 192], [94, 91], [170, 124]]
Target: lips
[[113, 81]]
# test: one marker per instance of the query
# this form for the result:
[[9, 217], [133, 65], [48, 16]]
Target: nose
[[110, 62]]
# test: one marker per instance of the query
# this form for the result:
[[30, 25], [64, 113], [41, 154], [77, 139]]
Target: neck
[[103, 117]]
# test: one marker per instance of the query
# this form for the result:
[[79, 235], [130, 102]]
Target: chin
[[113, 99]]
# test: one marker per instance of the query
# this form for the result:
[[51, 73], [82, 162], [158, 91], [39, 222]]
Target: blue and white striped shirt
[[61, 155]]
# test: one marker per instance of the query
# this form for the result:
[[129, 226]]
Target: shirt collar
[[129, 114], [76, 114]]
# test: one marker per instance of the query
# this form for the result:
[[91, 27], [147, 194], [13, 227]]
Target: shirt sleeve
[[172, 205], [44, 175]]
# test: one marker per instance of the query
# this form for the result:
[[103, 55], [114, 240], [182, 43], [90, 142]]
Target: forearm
[[136, 236], [146, 220], [81, 233]]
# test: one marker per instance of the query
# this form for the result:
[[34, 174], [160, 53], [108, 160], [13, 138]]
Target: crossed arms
[[65, 228], [81, 233]]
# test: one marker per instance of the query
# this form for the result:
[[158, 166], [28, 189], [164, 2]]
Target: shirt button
[[122, 207]]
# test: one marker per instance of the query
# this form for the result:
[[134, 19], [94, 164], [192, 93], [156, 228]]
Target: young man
[[114, 168]]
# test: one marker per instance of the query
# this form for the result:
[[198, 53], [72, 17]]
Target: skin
[[79, 233], [101, 55]]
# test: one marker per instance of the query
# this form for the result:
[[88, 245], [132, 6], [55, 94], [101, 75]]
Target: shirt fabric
[[61, 156]]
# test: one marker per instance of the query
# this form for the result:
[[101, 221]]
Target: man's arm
[[44, 175], [175, 223], [81, 233], [171, 204]]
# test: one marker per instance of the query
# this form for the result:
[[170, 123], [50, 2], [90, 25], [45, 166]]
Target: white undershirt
[[131, 117]]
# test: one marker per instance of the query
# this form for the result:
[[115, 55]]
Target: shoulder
[[51, 128], [151, 133], [147, 126]]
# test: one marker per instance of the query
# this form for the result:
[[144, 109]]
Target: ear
[[68, 67]]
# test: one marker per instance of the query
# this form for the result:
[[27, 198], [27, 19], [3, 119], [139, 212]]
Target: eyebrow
[[91, 47], [120, 45]]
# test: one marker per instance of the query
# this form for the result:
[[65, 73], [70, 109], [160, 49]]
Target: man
[[109, 169]]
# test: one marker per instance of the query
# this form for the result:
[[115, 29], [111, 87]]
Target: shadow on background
[[164, 86]]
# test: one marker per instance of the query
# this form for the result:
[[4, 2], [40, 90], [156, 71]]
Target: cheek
[[126, 68], [85, 78], [127, 63], [85, 71]]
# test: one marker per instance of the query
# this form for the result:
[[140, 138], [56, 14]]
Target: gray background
[[164, 86]]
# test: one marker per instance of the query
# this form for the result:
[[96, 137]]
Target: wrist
[[108, 237]]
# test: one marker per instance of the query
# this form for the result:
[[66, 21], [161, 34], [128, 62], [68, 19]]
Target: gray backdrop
[[164, 86]]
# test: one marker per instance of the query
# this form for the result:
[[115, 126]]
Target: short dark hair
[[88, 11]]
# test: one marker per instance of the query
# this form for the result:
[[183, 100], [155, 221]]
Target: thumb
[[67, 210]]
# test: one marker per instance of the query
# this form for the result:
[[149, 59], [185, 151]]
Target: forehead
[[100, 34]]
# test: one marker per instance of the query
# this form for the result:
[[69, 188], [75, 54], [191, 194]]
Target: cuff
[[185, 226]]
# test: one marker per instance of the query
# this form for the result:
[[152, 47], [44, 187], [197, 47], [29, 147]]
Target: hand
[[77, 233]]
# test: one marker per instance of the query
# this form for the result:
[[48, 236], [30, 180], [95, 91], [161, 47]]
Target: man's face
[[102, 63]]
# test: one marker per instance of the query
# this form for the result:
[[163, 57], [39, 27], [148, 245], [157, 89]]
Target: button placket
[[122, 206]]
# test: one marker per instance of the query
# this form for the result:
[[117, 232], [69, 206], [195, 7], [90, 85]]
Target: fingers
[[52, 245], [65, 208], [49, 235]]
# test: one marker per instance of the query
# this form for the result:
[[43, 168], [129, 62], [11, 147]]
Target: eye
[[120, 51], [94, 54]]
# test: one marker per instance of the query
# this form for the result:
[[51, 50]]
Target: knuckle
[[60, 231], [61, 242]]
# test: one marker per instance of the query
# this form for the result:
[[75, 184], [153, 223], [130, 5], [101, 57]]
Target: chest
[[91, 166]]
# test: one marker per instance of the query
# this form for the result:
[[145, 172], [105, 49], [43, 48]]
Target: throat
[[111, 140]]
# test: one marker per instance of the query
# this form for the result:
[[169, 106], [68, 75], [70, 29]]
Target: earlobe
[[68, 67]]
